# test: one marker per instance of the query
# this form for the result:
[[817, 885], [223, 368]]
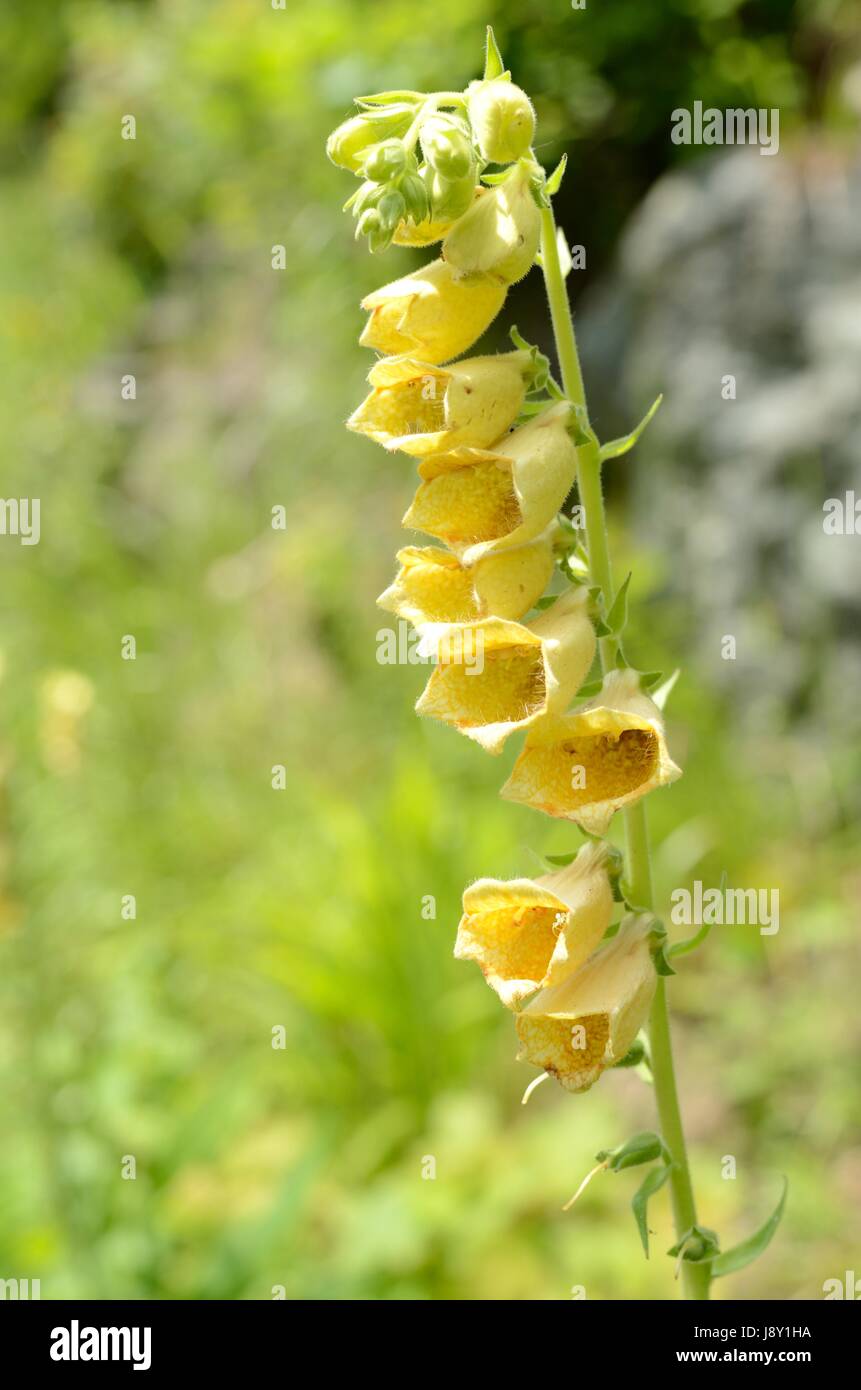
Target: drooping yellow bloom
[[429, 314], [424, 409], [478, 500], [576, 1029], [498, 237], [434, 586], [494, 677], [526, 934], [586, 764]]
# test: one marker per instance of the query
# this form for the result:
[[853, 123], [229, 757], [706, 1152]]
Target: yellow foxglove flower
[[434, 586], [478, 500], [430, 314], [527, 934], [424, 409], [586, 764], [498, 237], [576, 1029], [494, 677]]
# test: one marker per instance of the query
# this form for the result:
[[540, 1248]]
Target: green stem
[[695, 1278]]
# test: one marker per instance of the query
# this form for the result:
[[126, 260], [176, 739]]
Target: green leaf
[[493, 64], [546, 602], [616, 447], [618, 615], [652, 1183], [561, 861], [749, 1250], [554, 182]]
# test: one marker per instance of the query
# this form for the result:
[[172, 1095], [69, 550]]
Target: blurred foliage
[[302, 908]]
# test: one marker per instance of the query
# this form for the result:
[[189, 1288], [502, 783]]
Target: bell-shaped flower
[[576, 1029], [478, 500], [499, 235], [434, 586], [526, 934], [424, 409], [430, 314], [494, 677], [586, 764]]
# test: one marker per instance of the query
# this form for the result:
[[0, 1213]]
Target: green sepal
[[546, 602], [749, 1250], [385, 98], [644, 1147], [539, 371], [493, 64], [553, 183], [616, 447], [652, 1183], [658, 944], [561, 861], [634, 1057], [699, 1245]]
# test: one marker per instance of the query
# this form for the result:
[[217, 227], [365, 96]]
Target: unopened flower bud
[[498, 236], [446, 147], [385, 161], [502, 118], [349, 143], [391, 209], [415, 197]]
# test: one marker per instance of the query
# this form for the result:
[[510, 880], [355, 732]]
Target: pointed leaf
[[554, 182], [749, 1250], [493, 64], [618, 614], [652, 1183], [616, 447]]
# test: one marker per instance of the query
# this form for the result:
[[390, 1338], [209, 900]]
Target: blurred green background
[[301, 908]]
